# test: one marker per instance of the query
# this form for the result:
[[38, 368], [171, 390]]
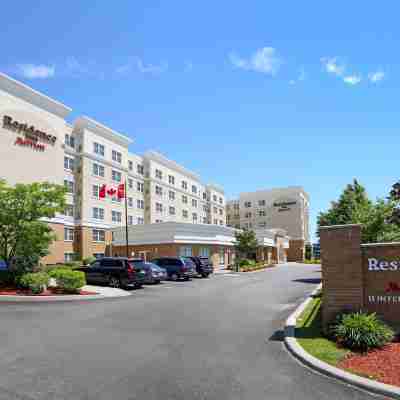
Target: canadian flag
[[121, 191], [102, 192]]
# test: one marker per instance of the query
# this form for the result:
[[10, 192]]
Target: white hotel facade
[[37, 145]]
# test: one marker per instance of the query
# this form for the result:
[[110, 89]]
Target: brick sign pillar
[[342, 274]]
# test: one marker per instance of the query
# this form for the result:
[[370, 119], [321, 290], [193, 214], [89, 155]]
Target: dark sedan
[[153, 273]]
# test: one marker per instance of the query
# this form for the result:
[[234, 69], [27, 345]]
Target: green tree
[[246, 243], [354, 207], [24, 237]]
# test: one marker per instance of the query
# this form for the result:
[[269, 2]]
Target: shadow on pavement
[[313, 281]]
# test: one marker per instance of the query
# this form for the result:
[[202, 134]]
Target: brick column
[[342, 275]]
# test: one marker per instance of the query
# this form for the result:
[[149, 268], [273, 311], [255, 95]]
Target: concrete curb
[[297, 351]]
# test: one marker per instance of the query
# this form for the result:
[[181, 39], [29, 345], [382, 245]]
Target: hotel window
[[69, 234], [130, 183], [130, 201], [158, 174], [247, 204], [69, 257], [69, 210], [140, 204], [171, 195], [261, 213], [171, 180], [130, 165], [184, 213], [159, 190], [95, 191], [215, 210], [98, 235], [140, 169], [69, 163], [221, 201], [116, 156], [221, 211], [69, 141], [184, 199], [140, 221], [98, 213], [185, 251], [215, 198], [261, 203], [130, 220], [98, 149], [116, 176], [172, 210], [205, 208], [204, 196], [194, 218], [69, 185], [194, 189], [140, 187], [159, 207], [98, 170], [215, 221], [194, 203], [116, 216], [184, 185]]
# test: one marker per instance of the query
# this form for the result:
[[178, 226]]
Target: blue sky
[[250, 95]]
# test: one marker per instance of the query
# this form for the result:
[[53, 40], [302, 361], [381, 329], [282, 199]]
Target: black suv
[[203, 266], [177, 267], [114, 271]]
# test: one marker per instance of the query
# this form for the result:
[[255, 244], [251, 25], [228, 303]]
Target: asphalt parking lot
[[217, 338]]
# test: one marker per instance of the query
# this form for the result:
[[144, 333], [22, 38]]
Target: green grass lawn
[[309, 335]]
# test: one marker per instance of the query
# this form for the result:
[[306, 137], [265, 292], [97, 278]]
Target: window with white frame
[[98, 170], [140, 204], [130, 201], [204, 196], [204, 220], [140, 221], [185, 251], [171, 195], [185, 213], [69, 257], [116, 216], [130, 183], [116, 176], [130, 165], [69, 210], [221, 211], [98, 235], [171, 179], [69, 234], [140, 169], [130, 220], [171, 210], [184, 199], [98, 149], [69, 185], [158, 174], [68, 163], [194, 203], [261, 203], [204, 252], [184, 185], [140, 187], [215, 197], [194, 189], [98, 213], [220, 200], [194, 217], [215, 209], [159, 207], [159, 190], [215, 221], [95, 191], [247, 204], [116, 156], [69, 141], [261, 213]]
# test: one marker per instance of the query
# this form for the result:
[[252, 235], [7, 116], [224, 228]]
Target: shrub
[[68, 281], [36, 281], [245, 262], [361, 331], [6, 278], [88, 260]]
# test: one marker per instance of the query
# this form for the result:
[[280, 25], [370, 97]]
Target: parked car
[[115, 272], [177, 267], [153, 273], [203, 266]]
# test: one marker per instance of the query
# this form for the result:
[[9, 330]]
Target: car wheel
[[137, 285], [114, 282], [174, 277]]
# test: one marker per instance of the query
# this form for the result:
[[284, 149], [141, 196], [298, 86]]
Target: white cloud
[[377, 76], [122, 69], [264, 60], [151, 68], [32, 71], [332, 66], [352, 79]]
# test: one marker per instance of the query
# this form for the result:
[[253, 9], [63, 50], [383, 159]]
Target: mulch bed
[[49, 292], [382, 365]]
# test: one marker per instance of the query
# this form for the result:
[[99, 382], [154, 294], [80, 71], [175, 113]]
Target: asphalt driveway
[[216, 338]]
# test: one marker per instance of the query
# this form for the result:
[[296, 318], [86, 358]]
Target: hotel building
[[283, 208], [38, 145]]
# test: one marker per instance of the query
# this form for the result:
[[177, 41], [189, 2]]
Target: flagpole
[[126, 221]]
